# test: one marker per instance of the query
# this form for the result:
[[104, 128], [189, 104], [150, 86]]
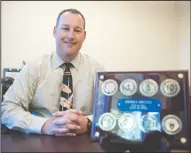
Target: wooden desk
[[19, 142]]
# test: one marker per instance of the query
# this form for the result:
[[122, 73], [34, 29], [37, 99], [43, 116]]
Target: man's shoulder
[[91, 62], [39, 62], [43, 59], [88, 58]]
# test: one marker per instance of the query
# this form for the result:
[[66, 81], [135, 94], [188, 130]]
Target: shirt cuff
[[90, 117], [37, 123]]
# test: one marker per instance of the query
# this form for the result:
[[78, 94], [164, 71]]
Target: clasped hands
[[66, 123]]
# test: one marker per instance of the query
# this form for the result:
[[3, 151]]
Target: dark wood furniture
[[20, 142]]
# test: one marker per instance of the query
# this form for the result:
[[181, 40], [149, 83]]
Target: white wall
[[120, 35], [183, 9]]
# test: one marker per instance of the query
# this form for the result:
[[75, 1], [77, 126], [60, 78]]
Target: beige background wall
[[120, 35], [184, 34]]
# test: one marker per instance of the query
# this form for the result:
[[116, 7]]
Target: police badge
[[129, 105]]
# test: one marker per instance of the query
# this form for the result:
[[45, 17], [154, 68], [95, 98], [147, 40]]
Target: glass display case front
[[128, 105]]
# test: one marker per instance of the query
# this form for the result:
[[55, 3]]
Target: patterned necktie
[[66, 89]]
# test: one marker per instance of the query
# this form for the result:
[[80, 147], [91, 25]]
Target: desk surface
[[19, 142]]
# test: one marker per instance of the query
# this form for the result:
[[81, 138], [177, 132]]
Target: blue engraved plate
[[139, 104], [129, 105]]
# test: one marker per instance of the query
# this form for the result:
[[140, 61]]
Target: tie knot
[[68, 66]]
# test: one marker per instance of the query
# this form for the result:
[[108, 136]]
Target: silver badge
[[170, 87], [148, 87], [148, 123], [109, 87], [107, 122], [127, 122], [171, 124], [128, 87]]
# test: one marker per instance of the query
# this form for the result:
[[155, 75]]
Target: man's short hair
[[75, 11]]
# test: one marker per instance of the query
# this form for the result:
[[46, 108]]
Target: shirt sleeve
[[99, 68], [16, 102], [96, 68]]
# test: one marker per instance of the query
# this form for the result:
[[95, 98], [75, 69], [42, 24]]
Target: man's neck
[[68, 58]]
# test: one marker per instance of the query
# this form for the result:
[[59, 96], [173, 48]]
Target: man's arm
[[15, 106]]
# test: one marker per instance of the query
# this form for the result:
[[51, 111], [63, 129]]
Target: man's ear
[[84, 35], [54, 31]]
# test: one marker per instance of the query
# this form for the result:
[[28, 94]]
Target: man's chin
[[70, 54]]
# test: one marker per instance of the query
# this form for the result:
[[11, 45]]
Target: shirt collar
[[58, 61]]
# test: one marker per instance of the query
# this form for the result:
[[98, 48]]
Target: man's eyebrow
[[69, 25], [65, 25]]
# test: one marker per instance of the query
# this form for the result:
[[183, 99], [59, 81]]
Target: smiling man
[[54, 94], [69, 33]]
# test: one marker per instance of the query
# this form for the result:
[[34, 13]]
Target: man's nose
[[71, 34]]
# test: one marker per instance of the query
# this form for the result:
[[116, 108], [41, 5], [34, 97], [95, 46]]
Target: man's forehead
[[69, 18]]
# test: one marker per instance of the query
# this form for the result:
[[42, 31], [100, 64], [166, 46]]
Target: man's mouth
[[69, 43]]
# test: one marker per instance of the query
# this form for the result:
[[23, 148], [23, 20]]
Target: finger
[[74, 117], [76, 111], [65, 134], [62, 113], [58, 113], [72, 126], [62, 121], [61, 130]]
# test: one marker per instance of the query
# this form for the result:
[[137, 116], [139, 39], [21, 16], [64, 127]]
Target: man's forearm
[[16, 118]]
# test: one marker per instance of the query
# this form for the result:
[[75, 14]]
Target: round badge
[[148, 123], [148, 87], [107, 122], [128, 87], [170, 87], [109, 87], [171, 124], [127, 122]]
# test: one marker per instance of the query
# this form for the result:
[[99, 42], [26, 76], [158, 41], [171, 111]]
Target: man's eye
[[66, 29], [78, 31]]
